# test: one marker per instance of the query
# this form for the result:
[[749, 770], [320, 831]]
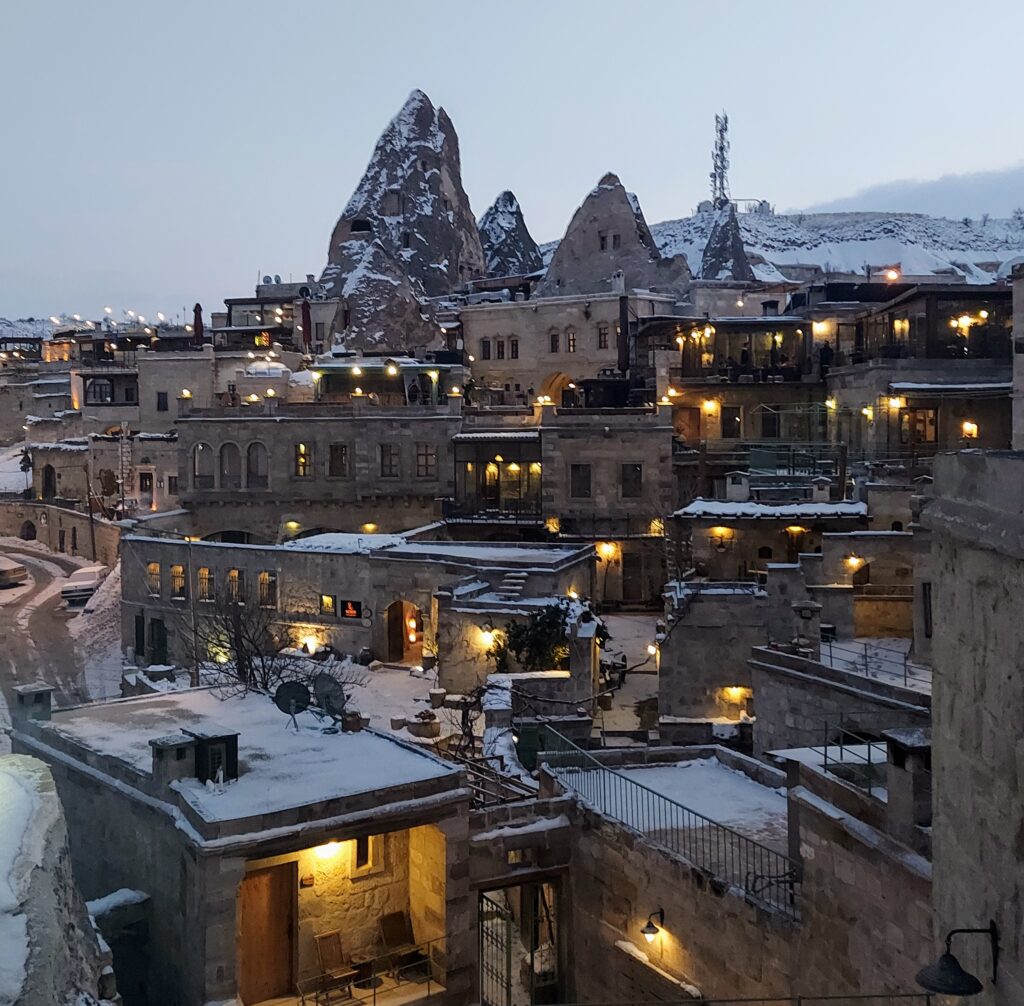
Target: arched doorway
[[405, 633], [554, 385], [28, 531], [49, 482]]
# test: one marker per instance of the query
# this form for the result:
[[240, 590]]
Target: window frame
[[178, 582], [426, 461], [624, 482], [267, 588], [330, 609], [389, 461], [485, 349], [554, 341], [163, 403], [302, 461], [576, 470], [150, 571], [345, 467], [513, 348], [205, 584]]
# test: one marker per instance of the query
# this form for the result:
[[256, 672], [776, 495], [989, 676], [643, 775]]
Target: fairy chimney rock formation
[[508, 246], [609, 234], [724, 257]]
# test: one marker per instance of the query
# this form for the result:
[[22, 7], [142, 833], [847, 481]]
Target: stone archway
[[554, 385], [49, 486], [404, 633], [28, 531]]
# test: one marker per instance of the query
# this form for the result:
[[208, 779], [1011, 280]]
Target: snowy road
[[34, 640]]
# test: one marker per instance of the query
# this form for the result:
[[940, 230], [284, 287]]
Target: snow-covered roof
[[959, 388], [771, 511], [500, 435], [279, 769], [342, 542]]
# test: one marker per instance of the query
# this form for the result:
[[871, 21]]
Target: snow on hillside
[[844, 242], [97, 633], [25, 328]]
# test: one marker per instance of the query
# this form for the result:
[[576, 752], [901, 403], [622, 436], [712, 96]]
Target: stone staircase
[[511, 586]]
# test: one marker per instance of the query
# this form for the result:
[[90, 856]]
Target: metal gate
[[496, 937], [519, 959]]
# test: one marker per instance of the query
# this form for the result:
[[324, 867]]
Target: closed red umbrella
[[197, 325], [307, 327]]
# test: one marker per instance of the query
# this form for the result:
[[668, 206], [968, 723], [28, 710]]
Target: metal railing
[[763, 875], [882, 999], [382, 979], [874, 660]]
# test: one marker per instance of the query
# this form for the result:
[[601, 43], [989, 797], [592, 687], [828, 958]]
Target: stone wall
[[795, 699], [48, 523], [883, 617], [977, 527], [427, 872]]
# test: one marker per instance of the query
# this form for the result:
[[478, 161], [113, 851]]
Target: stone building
[[251, 840], [551, 471], [976, 522], [375, 594], [267, 471], [541, 346]]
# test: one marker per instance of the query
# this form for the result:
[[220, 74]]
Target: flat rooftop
[[279, 768], [725, 795]]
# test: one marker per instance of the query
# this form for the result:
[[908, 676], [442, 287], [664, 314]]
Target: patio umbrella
[[307, 327], [197, 324]]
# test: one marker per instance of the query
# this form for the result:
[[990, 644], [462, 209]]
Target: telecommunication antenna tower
[[720, 162]]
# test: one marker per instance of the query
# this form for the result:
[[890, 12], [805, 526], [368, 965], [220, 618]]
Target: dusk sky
[[156, 154]]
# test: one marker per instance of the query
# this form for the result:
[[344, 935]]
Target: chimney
[[821, 489], [908, 783], [32, 702], [769, 308], [737, 487]]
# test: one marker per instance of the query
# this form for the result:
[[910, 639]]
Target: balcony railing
[[763, 875]]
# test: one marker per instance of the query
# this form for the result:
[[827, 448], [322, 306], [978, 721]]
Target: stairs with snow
[[511, 586]]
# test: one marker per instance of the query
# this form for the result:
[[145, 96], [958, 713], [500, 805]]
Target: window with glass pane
[[632, 481], [337, 461], [579, 481], [500, 347], [426, 461], [513, 349], [732, 422], [602, 336], [570, 341], [267, 582], [236, 584], [485, 349], [389, 461], [177, 581], [769, 424], [153, 578], [553, 342], [204, 583], [303, 460]]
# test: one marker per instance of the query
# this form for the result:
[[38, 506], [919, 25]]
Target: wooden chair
[[336, 975], [401, 952]]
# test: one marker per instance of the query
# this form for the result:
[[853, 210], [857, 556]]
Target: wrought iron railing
[[876, 660], [762, 874]]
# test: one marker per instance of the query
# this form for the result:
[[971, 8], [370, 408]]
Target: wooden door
[[396, 631], [266, 907]]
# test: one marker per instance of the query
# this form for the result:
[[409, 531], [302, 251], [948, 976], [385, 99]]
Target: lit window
[[177, 581], [303, 461], [570, 341], [236, 584], [204, 583], [328, 604], [426, 461], [153, 578], [267, 589]]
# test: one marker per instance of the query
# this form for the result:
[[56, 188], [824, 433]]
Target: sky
[[156, 154]]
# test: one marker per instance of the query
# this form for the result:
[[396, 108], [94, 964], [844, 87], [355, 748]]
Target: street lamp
[[947, 977], [650, 929]]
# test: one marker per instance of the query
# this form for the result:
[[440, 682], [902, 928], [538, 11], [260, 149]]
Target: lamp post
[[947, 977], [650, 929]]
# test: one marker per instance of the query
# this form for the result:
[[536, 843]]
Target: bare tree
[[241, 645]]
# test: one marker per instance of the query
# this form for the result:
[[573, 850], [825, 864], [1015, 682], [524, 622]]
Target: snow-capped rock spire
[[508, 246]]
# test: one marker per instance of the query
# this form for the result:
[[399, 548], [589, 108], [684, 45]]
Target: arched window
[[230, 467], [764, 552], [897, 525], [256, 467], [99, 391], [202, 466]]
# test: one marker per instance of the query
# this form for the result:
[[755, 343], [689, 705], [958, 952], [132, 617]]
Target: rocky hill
[[789, 245]]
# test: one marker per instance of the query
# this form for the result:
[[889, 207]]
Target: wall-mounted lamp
[[947, 977], [650, 929]]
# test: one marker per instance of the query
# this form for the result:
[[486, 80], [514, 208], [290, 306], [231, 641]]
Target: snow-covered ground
[[631, 634], [97, 633]]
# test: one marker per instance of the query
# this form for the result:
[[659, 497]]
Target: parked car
[[82, 584], [11, 572]]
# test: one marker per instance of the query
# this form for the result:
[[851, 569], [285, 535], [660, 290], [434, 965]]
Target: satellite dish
[[277, 279], [292, 697], [330, 695], [266, 279], [303, 291]]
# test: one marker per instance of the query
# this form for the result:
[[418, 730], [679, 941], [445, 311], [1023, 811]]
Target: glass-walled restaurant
[[938, 323], [760, 347], [498, 475]]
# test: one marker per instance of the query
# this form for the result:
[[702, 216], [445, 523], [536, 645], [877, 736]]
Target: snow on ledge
[[634, 951]]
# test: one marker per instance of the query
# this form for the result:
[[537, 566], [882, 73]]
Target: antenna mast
[[720, 163]]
